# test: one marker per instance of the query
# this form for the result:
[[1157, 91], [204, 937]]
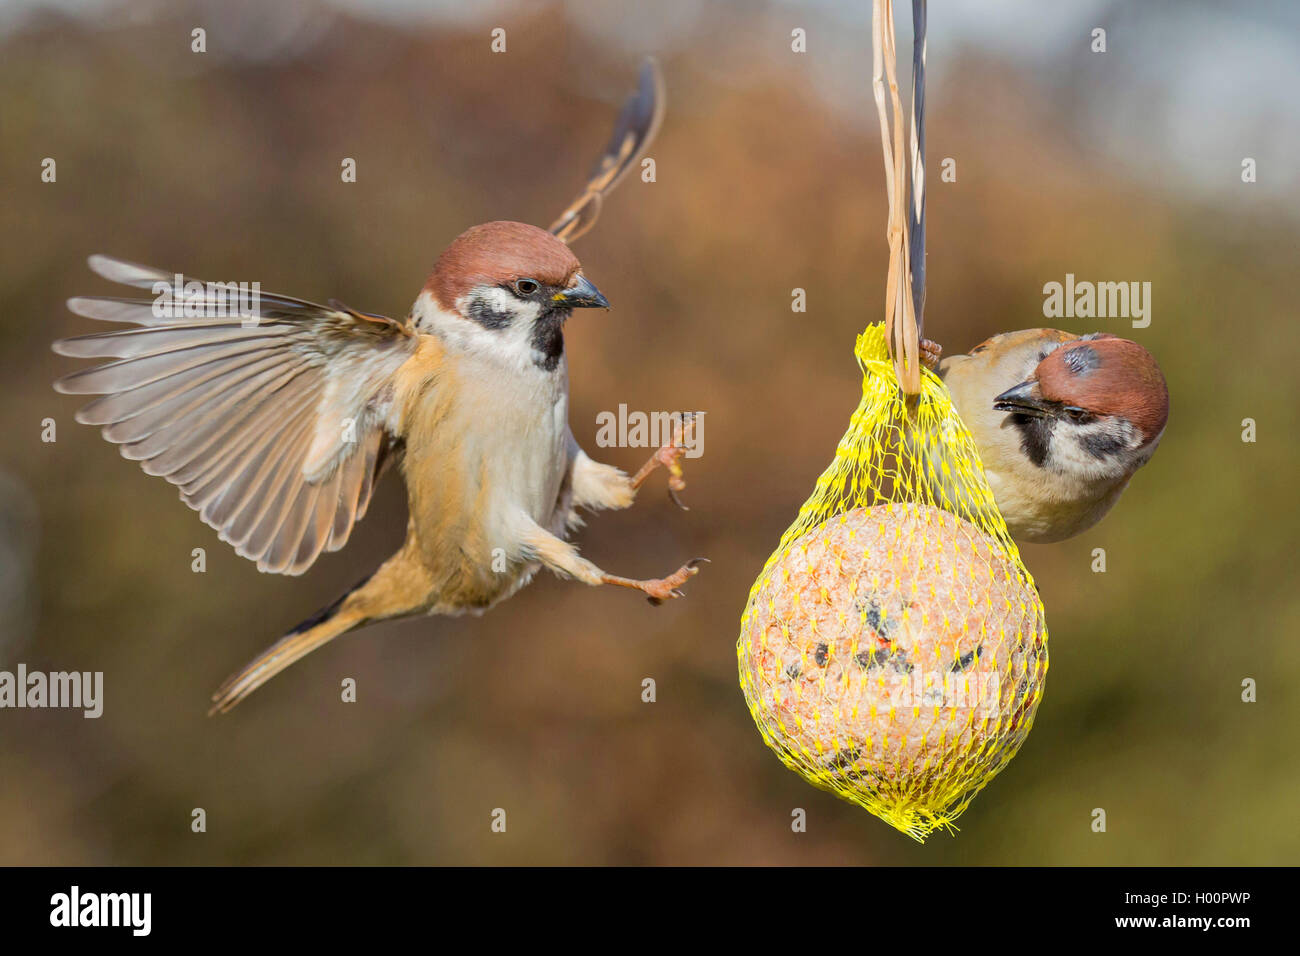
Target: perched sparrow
[[1062, 422], [276, 429]]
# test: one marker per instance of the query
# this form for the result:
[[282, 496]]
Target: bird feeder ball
[[895, 655]]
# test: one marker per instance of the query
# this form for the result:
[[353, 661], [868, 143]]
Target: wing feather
[[346, 498], [193, 401], [254, 527], [272, 416], [120, 407]]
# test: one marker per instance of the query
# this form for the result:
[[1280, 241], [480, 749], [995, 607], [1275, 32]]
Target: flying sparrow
[[276, 427], [1062, 422]]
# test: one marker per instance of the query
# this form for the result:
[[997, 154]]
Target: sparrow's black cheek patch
[[1035, 436], [1102, 446], [488, 317], [548, 339]]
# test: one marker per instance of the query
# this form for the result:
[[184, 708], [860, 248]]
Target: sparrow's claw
[[931, 352], [663, 589], [675, 592], [669, 456]]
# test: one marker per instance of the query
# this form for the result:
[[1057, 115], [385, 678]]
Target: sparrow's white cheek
[[1100, 449], [502, 331], [495, 308]]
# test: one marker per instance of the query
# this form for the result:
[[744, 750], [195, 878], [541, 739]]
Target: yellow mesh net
[[894, 647]]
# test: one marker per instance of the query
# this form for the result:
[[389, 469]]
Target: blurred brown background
[[1116, 166]]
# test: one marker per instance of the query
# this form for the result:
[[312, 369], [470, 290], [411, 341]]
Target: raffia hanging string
[[917, 247], [893, 649], [901, 331]]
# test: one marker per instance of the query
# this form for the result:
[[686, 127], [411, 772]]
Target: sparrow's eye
[[1077, 414], [526, 286]]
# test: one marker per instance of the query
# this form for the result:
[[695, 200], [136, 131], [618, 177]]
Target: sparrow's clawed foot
[[659, 590], [669, 456], [931, 352]]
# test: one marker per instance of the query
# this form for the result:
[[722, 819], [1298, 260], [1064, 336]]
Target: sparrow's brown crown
[[1108, 376], [496, 253]]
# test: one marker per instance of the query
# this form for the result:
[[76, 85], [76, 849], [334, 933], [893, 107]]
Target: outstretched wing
[[634, 130], [272, 423]]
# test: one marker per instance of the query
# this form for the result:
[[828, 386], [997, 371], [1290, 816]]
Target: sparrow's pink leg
[[562, 557], [669, 457], [659, 590]]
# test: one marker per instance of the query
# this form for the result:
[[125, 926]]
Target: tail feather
[[319, 629]]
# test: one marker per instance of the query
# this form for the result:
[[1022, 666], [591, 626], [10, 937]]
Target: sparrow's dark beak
[[1024, 399], [582, 295]]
